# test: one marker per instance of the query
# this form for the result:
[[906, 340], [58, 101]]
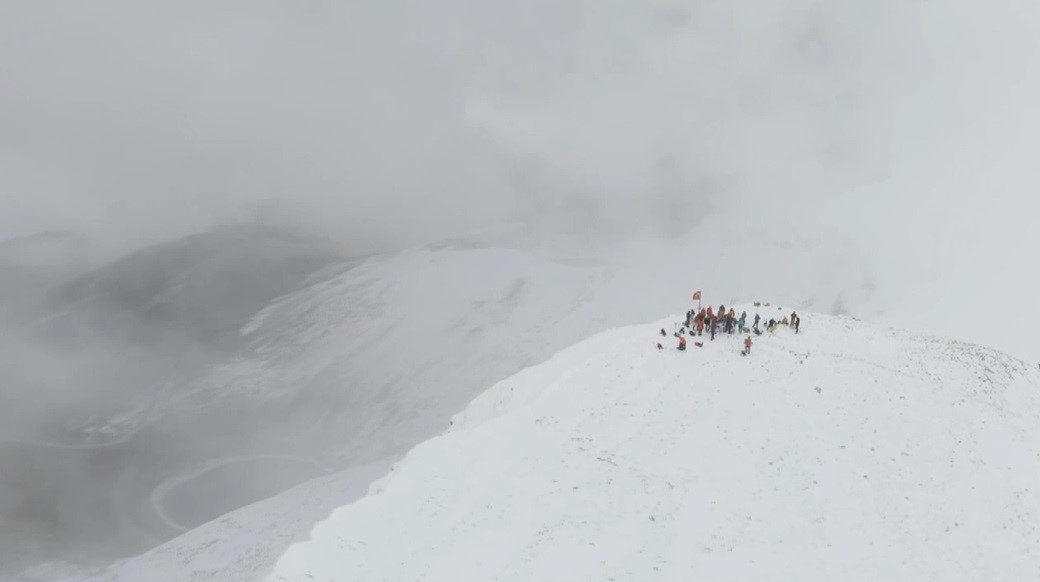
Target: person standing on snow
[[795, 321], [714, 326], [757, 319], [742, 321], [747, 345]]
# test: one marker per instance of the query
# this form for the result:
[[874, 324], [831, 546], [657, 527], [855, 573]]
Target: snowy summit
[[848, 451]]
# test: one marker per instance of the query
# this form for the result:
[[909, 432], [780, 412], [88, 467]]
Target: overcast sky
[[906, 132], [400, 121]]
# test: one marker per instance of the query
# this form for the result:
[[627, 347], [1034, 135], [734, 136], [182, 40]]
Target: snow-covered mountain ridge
[[849, 451], [374, 356]]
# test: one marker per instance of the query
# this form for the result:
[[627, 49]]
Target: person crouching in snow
[[747, 345], [682, 344]]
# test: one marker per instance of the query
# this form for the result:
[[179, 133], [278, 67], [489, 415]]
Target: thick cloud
[[908, 127]]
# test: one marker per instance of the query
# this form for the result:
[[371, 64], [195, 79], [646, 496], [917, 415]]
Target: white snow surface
[[408, 339], [846, 452]]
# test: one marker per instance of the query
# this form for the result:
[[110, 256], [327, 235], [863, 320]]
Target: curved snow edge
[[527, 386]]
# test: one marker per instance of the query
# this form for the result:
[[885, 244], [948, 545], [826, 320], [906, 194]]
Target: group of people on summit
[[721, 321]]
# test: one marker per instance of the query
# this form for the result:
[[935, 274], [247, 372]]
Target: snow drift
[[849, 451]]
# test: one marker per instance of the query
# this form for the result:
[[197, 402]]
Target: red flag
[[697, 296]]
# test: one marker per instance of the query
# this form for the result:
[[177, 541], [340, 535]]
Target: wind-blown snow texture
[[848, 452]]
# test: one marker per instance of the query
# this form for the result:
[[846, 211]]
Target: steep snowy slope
[[848, 452], [373, 361], [362, 367]]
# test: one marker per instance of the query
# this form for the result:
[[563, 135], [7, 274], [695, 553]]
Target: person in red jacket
[[682, 344], [747, 345]]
